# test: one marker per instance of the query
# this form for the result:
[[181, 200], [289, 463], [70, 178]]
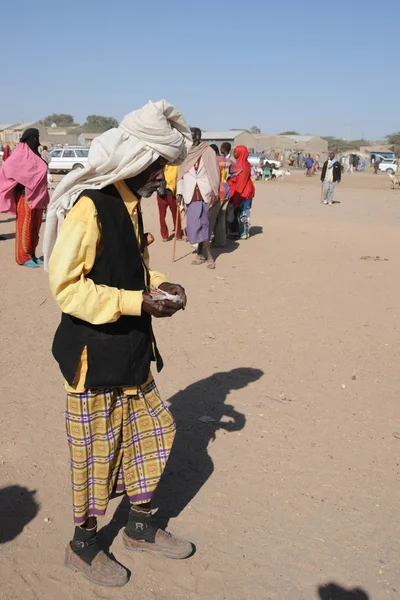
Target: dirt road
[[292, 346]]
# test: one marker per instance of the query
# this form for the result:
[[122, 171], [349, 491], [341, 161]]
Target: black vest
[[120, 353]]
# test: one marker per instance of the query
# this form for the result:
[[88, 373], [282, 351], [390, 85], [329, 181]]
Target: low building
[[236, 137], [58, 130], [11, 134], [312, 144], [48, 136], [52, 140], [382, 149], [19, 129], [6, 130]]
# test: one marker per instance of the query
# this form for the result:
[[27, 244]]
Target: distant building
[[51, 139], [85, 139], [296, 143], [49, 136], [6, 130], [20, 128], [11, 134], [236, 137], [382, 149]]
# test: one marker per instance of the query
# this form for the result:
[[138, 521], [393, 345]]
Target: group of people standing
[[209, 196], [301, 160]]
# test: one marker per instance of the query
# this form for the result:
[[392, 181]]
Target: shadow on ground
[[332, 591], [256, 230], [190, 466], [17, 508], [216, 251], [231, 246]]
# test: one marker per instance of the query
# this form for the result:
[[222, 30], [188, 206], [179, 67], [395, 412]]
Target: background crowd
[[209, 196]]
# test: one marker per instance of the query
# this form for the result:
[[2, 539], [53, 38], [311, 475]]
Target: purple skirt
[[197, 222]]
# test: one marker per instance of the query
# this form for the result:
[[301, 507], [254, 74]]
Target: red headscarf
[[242, 185]]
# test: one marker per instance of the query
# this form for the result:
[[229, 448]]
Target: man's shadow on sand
[[17, 508], [189, 465], [333, 591]]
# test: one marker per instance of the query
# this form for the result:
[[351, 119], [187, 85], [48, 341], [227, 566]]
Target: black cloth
[[337, 171], [85, 544], [120, 353], [31, 138]]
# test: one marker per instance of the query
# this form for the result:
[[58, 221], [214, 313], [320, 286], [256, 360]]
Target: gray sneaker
[[102, 571], [165, 544]]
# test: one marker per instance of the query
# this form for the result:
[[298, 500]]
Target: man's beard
[[145, 192]]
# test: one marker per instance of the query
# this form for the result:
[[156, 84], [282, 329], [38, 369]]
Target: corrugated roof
[[4, 126], [22, 126], [221, 135]]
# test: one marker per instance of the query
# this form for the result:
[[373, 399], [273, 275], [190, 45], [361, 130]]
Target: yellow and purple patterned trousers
[[117, 443]]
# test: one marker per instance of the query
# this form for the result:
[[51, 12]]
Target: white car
[[388, 165], [68, 158], [254, 160]]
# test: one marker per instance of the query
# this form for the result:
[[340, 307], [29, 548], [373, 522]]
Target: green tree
[[255, 129], [99, 124], [339, 145], [393, 139], [61, 120], [289, 132]]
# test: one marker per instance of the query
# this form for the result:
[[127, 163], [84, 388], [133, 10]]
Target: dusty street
[[291, 346]]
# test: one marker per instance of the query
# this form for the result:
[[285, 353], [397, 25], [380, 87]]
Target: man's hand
[[175, 289], [159, 308], [179, 198]]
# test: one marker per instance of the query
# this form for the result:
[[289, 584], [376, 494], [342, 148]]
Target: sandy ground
[[292, 346]]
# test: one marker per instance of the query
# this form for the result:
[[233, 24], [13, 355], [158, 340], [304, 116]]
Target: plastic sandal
[[31, 263]]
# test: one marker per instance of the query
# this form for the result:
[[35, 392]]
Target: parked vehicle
[[388, 166], [68, 158], [254, 160]]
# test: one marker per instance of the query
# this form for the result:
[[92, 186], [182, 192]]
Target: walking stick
[[322, 191], [178, 210]]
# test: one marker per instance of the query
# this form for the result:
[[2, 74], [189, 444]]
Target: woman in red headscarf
[[242, 194]]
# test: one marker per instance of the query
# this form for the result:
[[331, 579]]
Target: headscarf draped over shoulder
[[157, 129]]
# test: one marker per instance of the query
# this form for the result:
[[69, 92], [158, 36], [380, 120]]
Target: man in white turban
[[119, 431]]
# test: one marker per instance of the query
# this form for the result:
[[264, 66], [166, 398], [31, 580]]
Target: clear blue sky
[[332, 69]]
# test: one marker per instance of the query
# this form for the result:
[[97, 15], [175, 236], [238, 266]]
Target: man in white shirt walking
[[198, 186]]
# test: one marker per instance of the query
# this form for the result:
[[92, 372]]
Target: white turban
[[155, 130]]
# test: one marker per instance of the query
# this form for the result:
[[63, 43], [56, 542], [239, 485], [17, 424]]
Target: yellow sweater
[[171, 178], [77, 246]]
